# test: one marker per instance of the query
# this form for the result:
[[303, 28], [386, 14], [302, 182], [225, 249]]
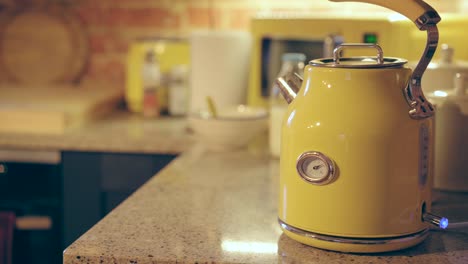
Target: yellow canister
[[355, 167], [168, 52]]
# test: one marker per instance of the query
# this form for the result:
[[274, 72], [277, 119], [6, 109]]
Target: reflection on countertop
[[118, 132], [221, 207]]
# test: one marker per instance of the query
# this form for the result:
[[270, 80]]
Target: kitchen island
[[208, 207]]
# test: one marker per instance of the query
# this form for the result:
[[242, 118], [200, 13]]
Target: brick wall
[[113, 24]]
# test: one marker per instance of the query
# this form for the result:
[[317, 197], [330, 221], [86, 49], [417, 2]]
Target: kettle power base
[[353, 245]]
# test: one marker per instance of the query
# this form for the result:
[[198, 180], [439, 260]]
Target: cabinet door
[[81, 193], [122, 174], [127, 172], [94, 183], [112, 199], [31, 206]]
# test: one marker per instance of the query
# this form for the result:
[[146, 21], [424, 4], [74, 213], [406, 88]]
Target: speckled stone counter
[[120, 132], [221, 208]]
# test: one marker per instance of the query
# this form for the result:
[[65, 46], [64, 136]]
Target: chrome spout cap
[[289, 86]]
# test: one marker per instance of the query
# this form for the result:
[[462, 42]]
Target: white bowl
[[233, 128]]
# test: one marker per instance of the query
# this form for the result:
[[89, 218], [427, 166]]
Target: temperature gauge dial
[[316, 168]]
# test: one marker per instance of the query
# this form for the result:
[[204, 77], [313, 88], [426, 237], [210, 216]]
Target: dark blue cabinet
[[94, 183], [32, 194], [74, 193]]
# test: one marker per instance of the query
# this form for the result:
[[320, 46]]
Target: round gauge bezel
[[309, 157]]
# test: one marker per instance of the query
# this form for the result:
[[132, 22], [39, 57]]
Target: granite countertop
[[119, 132], [221, 208]]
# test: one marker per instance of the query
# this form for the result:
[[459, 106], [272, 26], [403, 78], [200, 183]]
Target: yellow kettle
[[356, 158]]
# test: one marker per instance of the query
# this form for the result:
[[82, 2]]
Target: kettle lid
[[363, 62], [360, 62]]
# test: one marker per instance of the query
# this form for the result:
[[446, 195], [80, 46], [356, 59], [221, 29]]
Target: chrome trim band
[[355, 241]]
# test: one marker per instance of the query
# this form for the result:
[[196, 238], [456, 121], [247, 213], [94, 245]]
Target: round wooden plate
[[43, 47]]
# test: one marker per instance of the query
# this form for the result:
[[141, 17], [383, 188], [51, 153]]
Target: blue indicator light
[[443, 223]]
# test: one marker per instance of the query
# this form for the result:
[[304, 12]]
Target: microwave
[[272, 48], [317, 36]]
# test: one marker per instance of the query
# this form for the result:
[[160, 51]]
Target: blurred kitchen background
[[112, 26]]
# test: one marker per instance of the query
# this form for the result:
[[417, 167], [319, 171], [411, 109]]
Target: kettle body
[[355, 167]]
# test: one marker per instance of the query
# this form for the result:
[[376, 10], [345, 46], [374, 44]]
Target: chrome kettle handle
[[425, 18], [418, 11], [420, 107]]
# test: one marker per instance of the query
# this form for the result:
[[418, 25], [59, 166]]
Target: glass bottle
[[291, 63], [178, 90], [151, 78]]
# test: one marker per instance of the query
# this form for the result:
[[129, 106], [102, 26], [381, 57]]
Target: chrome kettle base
[[353, 245]]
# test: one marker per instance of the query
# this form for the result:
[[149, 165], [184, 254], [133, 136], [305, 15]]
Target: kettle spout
[[289, 86]]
